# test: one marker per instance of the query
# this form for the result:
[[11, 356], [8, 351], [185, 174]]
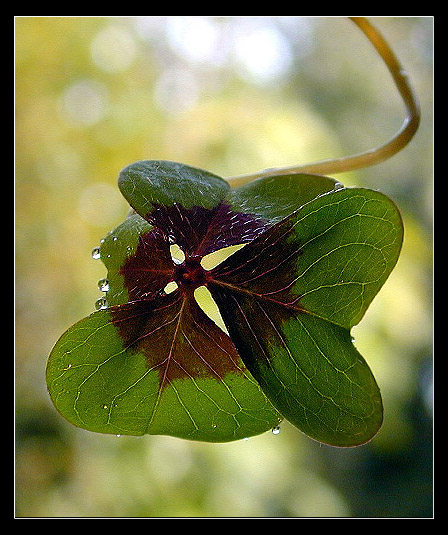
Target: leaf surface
[[153, 362], [275, 197], [289, 299], [136, 369]]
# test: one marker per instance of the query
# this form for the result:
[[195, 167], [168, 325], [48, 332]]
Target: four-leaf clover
[[314, 256]]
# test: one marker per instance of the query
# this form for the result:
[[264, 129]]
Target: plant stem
[[370, 157]]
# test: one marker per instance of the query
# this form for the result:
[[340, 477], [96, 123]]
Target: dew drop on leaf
[[103, 285], [96, 253], [276, 430], [101, 303]]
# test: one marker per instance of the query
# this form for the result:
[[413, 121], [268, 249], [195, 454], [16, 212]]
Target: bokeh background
[[232, 95]]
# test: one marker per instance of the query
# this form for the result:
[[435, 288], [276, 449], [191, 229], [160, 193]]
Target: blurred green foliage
[[231, 95]]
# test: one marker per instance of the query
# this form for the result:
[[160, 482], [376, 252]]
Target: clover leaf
[[150, 361]]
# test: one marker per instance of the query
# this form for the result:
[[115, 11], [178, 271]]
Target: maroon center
[[190, 274]]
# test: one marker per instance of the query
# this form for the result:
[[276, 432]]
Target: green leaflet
[[276, 197], [152, 183], [99, 384], [308, 368], [350, 242]]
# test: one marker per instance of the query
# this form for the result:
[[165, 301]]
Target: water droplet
[[103, 285], [96, 253], [338, 185], [276, 430], [101, 303], [104, 406], [118, 436], [115, 238]]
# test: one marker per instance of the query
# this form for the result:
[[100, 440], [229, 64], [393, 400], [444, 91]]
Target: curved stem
[[373, 156]]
